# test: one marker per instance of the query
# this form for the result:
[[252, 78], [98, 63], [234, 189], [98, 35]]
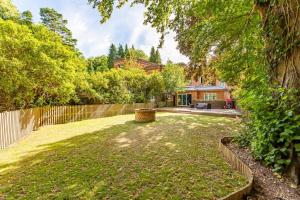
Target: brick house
[[198, 92], [149, 67]]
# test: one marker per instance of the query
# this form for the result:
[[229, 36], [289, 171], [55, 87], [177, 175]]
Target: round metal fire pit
[[145, 115]]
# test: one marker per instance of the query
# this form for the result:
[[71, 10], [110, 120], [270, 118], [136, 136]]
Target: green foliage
[[132, 85], [97, 64], [126, 52], [55, 22], [36, 67], [275, 126], [121, 53], [156, 85], [152, 55], [8, 10], [155, 56], [112, 55], [174, 78], [136, 82], [137, 54], [26, 17]]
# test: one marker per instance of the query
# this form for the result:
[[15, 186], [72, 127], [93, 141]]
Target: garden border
[[239, 165]]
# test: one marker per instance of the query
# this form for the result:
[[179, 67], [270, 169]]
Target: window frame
[[210, 96]]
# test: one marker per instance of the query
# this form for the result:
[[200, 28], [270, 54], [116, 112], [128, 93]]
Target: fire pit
[[145, 115]]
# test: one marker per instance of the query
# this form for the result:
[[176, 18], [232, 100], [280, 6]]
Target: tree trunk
[[281, 21]]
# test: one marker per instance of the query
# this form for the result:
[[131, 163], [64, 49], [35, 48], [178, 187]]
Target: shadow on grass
[[175, 157]]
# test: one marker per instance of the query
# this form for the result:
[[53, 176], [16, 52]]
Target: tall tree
[[126, 53], [152, 55], [55, 22], [121, 53], [157, 57], [112, 55]]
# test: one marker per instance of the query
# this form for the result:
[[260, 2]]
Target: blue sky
[[125, 26]]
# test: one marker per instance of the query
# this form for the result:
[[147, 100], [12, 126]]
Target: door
[[189, 99], [184, 99]]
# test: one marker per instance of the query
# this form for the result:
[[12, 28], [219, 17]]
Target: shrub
[[274, 128]]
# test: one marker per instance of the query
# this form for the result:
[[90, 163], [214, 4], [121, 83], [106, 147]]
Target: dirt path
[[266, 184]]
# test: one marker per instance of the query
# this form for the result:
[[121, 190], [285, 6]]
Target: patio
[[210, 112]]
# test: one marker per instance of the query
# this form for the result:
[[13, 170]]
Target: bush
[[274, 128]]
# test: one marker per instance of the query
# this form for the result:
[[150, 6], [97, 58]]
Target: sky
[[125, 27]]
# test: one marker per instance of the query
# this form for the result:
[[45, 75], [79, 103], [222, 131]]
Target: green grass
[[175, 157]]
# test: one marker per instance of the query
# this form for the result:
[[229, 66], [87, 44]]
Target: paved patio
[[212, 112]]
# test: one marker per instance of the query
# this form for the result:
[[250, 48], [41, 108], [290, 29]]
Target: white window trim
[[209, 96]]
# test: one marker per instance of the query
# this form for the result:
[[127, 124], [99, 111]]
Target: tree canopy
[[155, 56], [8, 10], [36, 67], [55, 22], [97, 64]]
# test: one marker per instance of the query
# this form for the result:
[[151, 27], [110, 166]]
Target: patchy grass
[[116, 158]]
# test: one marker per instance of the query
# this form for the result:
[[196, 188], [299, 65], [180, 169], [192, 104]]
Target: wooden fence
[[15, 125]]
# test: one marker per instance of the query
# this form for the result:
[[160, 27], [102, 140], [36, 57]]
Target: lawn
[[116, 158]]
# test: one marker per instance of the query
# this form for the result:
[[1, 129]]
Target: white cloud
[[125, 26]]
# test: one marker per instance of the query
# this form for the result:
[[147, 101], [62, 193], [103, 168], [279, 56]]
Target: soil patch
[[266, 184]]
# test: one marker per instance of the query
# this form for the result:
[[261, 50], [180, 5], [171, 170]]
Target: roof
[[145, 64], [204, 88]]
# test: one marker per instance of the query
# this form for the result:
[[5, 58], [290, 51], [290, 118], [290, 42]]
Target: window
[[210, 96], [184, 99]]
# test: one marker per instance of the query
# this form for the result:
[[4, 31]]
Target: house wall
[[198, 97]]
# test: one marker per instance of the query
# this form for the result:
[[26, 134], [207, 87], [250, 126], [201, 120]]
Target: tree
[[36, 68], [121, 53], [112, 55], [152, 55], [174, 78], [156, 86], [56, 23], [26, 17], [126, 53], [157, 57], [278, 18], [136, 83], [97, 64], [8, 10], [138, 54]]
